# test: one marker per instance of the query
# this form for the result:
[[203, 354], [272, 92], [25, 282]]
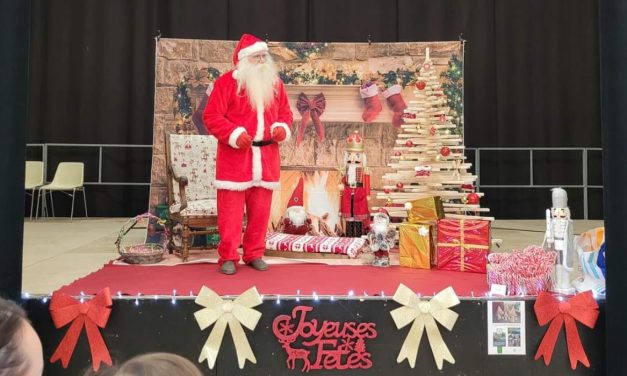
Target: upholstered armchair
[[192, 206]]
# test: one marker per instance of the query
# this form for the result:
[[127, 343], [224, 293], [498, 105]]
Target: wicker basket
[[148, 253]]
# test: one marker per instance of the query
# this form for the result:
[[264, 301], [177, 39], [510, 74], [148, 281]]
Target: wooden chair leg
[[187, 237]]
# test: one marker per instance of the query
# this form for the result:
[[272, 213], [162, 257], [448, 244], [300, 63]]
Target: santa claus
[[248, 112], [295, 220]]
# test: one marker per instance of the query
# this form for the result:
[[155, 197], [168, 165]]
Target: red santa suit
[[245, 177]]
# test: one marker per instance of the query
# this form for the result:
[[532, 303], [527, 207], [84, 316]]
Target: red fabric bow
[[93, 313], [310, 108], [581, 307]]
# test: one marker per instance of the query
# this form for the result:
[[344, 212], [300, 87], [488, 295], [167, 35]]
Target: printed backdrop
[[185, 70]]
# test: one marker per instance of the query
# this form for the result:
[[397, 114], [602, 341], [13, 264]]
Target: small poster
[[506, 328]]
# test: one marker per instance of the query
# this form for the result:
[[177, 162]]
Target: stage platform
[[153, 310], [289, 279]]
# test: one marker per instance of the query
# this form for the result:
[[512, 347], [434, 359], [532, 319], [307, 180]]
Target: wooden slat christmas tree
[[428, 158]]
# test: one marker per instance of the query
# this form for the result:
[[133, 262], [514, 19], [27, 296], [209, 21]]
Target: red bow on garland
[[313, 108], [581, 307], [92, 314]]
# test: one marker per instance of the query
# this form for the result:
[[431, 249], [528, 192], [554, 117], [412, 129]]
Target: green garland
[[453, 89], [304, 49], [398, 77], [292, 77]]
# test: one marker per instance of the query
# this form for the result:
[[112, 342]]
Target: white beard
[[297, 215], [380, 228], [352, 173], [258, 80]]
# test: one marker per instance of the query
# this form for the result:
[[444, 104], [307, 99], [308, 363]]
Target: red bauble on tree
[[432, 131], [445, 151], [420, 85], [472, 198], [399, 185], [409, 143], [397, 153], [386, 191], [442, 118]]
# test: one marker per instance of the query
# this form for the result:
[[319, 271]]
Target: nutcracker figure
[[559, 238], [355, 188]]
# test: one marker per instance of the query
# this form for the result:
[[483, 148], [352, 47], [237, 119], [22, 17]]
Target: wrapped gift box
[[417, 245], [351, 247], [425, 209], [463, 245]]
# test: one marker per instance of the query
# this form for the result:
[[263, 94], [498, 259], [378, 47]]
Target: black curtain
[[13, 64], [531, 79], [614, 113]]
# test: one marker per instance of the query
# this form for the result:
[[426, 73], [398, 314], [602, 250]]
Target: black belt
[[263, 143], [356, 185]]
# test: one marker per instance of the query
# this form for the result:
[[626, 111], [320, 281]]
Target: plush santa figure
[[355, 188], [248, 112], [381, 238], [295, 220]]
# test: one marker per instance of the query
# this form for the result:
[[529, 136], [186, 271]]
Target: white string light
[[278, 299], [315, 296], [298, 295]]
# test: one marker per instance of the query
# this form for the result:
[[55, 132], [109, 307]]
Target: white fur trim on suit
[[288, 132], [396, 89], [260, 123], [257, 169], [369, 92], [256, 47], [234, 135], [244, 185], [256, 164]]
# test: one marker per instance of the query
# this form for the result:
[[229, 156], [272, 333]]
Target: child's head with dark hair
[[20, 348]]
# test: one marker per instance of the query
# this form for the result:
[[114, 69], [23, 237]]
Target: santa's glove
[[396, 103], [278, 134], [244, 141], [370, 94]]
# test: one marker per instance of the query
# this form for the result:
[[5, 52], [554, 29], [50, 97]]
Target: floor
[[58, 251]]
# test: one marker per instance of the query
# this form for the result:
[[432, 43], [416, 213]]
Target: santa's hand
[[278, 134], [244, 141], [340, 187]]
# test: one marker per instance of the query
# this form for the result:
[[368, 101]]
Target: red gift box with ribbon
[[463, 245]]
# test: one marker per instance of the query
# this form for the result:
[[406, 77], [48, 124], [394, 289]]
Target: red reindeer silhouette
[[293, 354]]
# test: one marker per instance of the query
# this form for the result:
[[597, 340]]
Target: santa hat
[[248, 45], [297, 195]]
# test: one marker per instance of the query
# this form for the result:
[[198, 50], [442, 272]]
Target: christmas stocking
[[370, 94], [197, 116], [396, 103]]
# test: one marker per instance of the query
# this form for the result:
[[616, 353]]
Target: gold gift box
[[425, 209], [417, 245]]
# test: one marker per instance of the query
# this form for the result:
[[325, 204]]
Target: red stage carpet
[[279, 279]]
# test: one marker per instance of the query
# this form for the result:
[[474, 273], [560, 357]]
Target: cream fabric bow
[[423, 314], [226, 312]]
